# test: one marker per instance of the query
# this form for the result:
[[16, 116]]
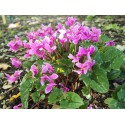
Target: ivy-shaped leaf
[[113, 56], [55, 96], [25, 88], [121, 95], [71, 101], [36, 96], [113, 74], [98, 81], [27, 64]]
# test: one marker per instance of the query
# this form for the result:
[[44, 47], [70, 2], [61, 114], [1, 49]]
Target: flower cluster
[[44, 43], [87, 65], [46, 69]]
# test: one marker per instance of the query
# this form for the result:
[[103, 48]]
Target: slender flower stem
[[75, 82]]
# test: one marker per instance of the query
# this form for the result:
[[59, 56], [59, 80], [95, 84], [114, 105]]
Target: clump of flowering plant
[[63, 62]]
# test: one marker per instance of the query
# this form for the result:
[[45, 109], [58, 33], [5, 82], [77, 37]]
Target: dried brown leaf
[[4, 66]]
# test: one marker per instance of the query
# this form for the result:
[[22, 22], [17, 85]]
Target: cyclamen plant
[[63, 63]]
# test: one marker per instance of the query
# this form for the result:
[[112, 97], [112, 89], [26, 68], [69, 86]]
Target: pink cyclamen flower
[[17, 73], [49, 48], [62, 33], [83, 51], [49, 87], [59, 26], [46, 67], [17, 106], [70, 21], [36, 48], [90, 106], [16, 62], [84, 67], [95, 34], [34, 70], [43, 78], [74, 59], [15, 44], [62, 37], [26, 45], [14, 77], [65, 89], [85, 33], [110, 43], [50, 78]]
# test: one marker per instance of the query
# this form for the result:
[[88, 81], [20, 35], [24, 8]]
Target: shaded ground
[[112, 26]]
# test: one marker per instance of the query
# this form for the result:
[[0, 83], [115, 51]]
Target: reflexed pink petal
[[16, 62], [49, 87], [44, 69], [7, 75], [14, 77], [17, 73], [15, 107], [70, 56], [47, 47], [43, 78], [70, 21], [53, 48], [34, 70], [110, 43], [82, 51], [78, 71], [62, 32], [91, 49], [79, 65], [47, 68], [73, 57], [42, 81], [54, 76]]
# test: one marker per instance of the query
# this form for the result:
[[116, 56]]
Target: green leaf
[[55, 96], [117, 62], [36, 96], [38, 85], [112, 103], [108, 53], [85, 105], [118, 98], [113, 74], [111, 26], [72, 101], [72, 48], [42, 97], [1, 75], [25, 88], [98, 80], [33, 58], [86, 92], [121, 95], [97, 57], [112, 56], [39, 63], [104, 38], [27, 64]]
